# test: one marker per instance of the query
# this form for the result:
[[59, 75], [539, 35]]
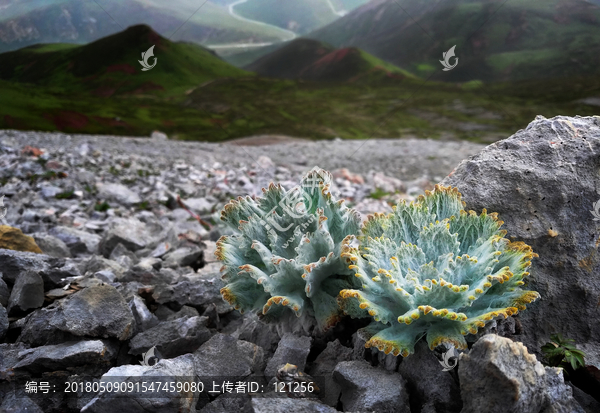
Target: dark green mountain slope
[[312, 60], [495, 40], [110, 65]]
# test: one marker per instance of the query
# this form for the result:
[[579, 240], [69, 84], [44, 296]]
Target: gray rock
[[225, 404], [19, 402], [66, 355], [175, 370], [366, 388], [587, 402], [148, 264], [172, 338], [9, 356], [291, 349], [50, 191], [98, 311], [160, 250], [52, 246], [199, 205], [427, 382], [183, 257], [285, 405], [132, 233], [499, 375], [123, 256], [144, 319], [3, 321], [78, 241], [186, 311], [27, 293], [16, 262], [322, 370], [225, 356], [97, 263], [119, 193], [198, 290], [4, 292], [256, 331], [542, 181]]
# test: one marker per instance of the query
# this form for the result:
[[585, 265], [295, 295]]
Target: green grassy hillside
[[110, 65], [191, 94], [516, 40], [312, 60]]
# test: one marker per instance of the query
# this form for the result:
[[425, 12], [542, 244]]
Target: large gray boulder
[[543, 182], [499, 375]]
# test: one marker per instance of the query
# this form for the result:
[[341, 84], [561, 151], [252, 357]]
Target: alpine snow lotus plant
[[286, 255], [432, 269]]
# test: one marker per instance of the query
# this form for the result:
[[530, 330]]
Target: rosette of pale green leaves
[[285, 255], [432, 269]]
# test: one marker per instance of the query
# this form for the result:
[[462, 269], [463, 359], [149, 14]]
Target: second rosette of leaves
[[432, 269], [286, 254]]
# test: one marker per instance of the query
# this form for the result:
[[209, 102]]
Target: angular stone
[[225, 356], [4, 292], [186, 311], [256, 331], [27, 293], [291, 349], [98, 311], [3, 321], [96, 263], [198, 290], [183, 257], [144, 319], [19, 402], [16, 262], [323, 367], [366, 388], [543, 183], [78, 241], [285, 405], [119, 193], [13, 239], [499, 375], [9, 356], [165, 371], [132, 233], [427, 382], [172, 338], [52, 246], [66, 355]]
